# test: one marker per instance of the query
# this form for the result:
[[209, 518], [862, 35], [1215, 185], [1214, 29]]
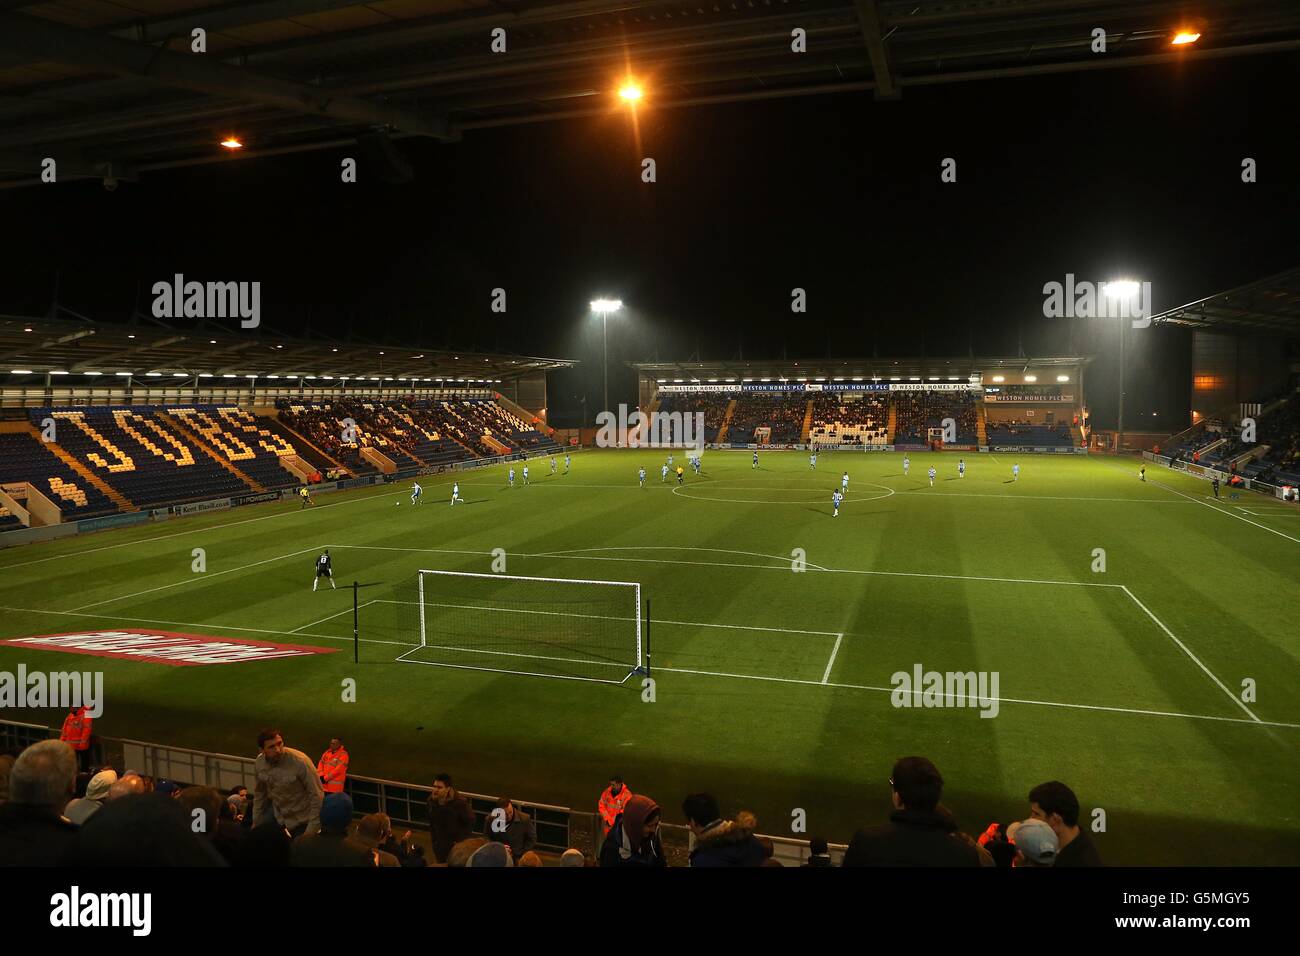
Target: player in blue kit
[[844, 482], [512, 476], [932, 474], [525, 474], [663, 473], [566, 464], [1015, 472], [640, 476], [455, 493], [907, 463], [836, 498], [961, 468], [552, 465], [416, 491]]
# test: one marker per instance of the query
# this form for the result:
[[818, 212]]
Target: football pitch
[[1144, 639]]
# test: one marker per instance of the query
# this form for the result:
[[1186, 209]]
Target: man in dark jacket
[[634, 838], [512, 827], [332, 846], [720, 842], [451, 818], [33, 830], [1056, 805], [920, 832]]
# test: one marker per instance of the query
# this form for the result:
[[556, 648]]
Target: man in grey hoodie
[[287, 787]]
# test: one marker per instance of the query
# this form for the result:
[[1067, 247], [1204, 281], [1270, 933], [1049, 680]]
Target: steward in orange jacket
[[612, 802], [333, 767], [76, 733]]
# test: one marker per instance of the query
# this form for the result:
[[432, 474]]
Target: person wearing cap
[[491, 854], [613, 801], [287, 788], [1035, 842], [1056, 805], [333, 767], [634, 839], [331, 845], [80, 810], [920, 831]]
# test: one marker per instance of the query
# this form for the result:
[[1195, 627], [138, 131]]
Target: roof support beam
[[60, 44], [869, 19]]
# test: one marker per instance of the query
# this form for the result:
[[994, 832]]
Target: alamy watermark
[[656, 430], [922, 688], [62, 689], [208, 300], [1098, 300]]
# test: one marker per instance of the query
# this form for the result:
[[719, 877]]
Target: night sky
[[1118, 172]]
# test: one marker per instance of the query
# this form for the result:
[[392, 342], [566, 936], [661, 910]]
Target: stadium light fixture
[[27, 328], [232, 143], [153, 374], [229, 375], [1062, 378], [122, 374], [630, 92], [180, 375], [1121, 289], [205, 375], [92, 373], [999, 378], [1031, 378], [1185, 38], [20, 371], [603, 307], [57, 372]]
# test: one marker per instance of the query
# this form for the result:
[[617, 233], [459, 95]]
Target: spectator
[[33, 830], [127, 785], [920, 832], [634, 838], [76, 734], [79, 811], [529, 859], [1056, 805], [451, 819], [265, 846], [515, 828], [769, 852], [333, 767], [490, 854], [210, 815], [1035, 842], [6, 767], [287, 787], [720, 842], [143, 829], [572, 857], [460, 853], [612, 802], [331, 845], [373, 832], [819, 853]]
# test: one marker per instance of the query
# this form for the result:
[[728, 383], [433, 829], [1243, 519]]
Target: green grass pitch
[[773, 687]]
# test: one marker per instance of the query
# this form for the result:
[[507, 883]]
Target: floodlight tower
[[1122, 290], [603, 307]]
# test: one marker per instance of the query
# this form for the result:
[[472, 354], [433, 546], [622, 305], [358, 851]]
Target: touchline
[[58, 689]]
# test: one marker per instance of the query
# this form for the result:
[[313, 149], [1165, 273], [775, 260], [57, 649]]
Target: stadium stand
[[713, 405], [24, 457], [235, 433], [141, 455], [782, 413], [1029, 434], [918, 412], [850, 419]]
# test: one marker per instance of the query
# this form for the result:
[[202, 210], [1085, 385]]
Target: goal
[[544, 627]]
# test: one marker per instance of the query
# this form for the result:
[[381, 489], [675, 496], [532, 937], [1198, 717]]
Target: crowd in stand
[[761, 410], [1280, 430], [298, 814], [712, 404], [840, 420]]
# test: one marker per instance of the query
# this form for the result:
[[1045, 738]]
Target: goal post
[[568, 628]]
